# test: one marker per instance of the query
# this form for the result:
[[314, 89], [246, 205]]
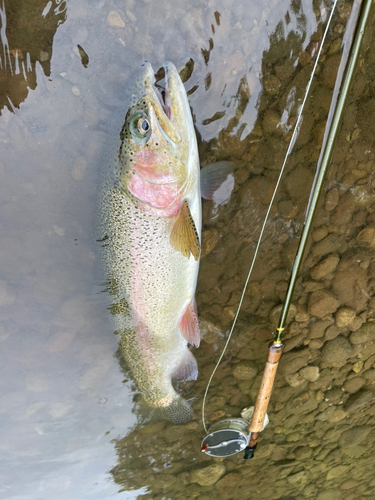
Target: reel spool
[[227, 437]]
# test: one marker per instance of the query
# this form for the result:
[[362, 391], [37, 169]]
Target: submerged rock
[[208, 476]]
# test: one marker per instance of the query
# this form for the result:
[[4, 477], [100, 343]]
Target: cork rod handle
[[264, 394]]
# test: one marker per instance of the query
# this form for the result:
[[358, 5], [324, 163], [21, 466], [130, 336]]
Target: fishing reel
[[232, 435]]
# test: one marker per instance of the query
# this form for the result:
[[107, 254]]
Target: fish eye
[[139, 126], [143, 126]]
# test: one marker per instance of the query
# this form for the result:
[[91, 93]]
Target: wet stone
[[337, 415], [291, 362], [310, 373], [354, 436], [330, 244], [353, 385], [336, 352], [332, 199], [370, 374], [298, 182], [164, 481], [322, 303], [358, 400], [325, 266], [344, 316], [366, 237], [332, 332], [210, 237], [294, 379], [208, 475], [330, 70], [357, 366], [114, 19], [271, 121], [336, 472], [317, 328], [245, 370], [365, 333], [274, 315], [303, 403], [319, 233], [271, 84], [227, 483]]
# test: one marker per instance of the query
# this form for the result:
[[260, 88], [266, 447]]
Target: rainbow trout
[[149, 226]]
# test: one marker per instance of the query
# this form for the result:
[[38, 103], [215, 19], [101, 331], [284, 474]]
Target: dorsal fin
[[184, 235]]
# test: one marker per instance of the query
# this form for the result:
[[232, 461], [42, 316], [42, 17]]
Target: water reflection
[[26, 34], [65, 406]]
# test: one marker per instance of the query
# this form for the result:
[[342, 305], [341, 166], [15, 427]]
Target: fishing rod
[[233, 435]]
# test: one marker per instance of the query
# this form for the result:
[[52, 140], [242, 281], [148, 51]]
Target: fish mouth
[[165, 102]]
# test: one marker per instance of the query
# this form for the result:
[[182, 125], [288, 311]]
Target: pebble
[[317, 328], [210, 237], [365, 333], [325, 266], [358, 400], [353, 385], [357, 366], [245, 370], [164, 481], [291, 362], [332, 199], [354, 436], [79, 168], [329, 494], [303, 403], [322, 303], [319, 233], [274, 315], [271, 122], [114, 19], [294, 379], [310, 373], [336, 352], [227, 483], [337, 415], [344, 316], [366, 237], [209, 475], [271, 84], [330, 70]]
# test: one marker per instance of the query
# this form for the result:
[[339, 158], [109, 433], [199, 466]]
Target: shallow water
[[67, 428]]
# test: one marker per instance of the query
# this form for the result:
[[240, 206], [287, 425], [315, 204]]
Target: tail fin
[[178, 412]]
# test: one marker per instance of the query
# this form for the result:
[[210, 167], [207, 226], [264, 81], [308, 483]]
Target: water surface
[[66, 422]]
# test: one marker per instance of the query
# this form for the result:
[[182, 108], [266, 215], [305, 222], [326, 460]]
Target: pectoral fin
[[187, 369], [189, 325], [184, 236]]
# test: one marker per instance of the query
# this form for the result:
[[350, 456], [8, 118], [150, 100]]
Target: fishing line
[[290, 147]]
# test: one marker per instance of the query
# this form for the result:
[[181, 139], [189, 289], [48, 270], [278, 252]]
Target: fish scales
[[150, 283]]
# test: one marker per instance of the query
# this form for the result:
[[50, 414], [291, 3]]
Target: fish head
[[155, 164]]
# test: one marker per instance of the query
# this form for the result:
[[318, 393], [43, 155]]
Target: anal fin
[[189, 325], [187, 369], [184, 235]]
